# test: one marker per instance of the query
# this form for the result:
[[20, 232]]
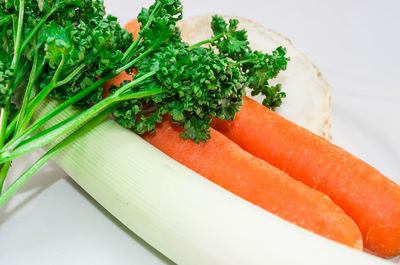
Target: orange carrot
[[117, 81], [223, 162], [133, 27], [371, 199]]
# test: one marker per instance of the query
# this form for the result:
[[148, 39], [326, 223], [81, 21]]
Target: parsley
[[257, 67]]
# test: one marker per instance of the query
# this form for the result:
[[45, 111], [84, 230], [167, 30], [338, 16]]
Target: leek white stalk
[[181, 214]]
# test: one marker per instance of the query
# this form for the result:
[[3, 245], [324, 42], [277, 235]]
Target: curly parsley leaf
[[258, 67]]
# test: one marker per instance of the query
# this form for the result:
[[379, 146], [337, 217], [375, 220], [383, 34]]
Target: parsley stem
[[17, 29], [5, 19], [32, 79], [69, 102], [18, 51], [54, 132], [134, 83], [245, 61], [71, 75], [37, 27], [14, 66], [58, 71], [3, 174], [50, 154], [217, 37], [35, 102], [38, 99], [17, 44], [128, 54], [140, 94], [16, 141], [3, 121], [133, 62], [22, 73]]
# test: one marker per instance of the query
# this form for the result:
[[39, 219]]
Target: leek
[[181, 214]]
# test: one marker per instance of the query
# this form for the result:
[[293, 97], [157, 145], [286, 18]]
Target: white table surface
[[354, 43]]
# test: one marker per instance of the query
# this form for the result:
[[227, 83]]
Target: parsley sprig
[[258, 67]]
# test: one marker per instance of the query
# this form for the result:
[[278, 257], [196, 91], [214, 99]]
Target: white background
[[359, 37], [354, 43]]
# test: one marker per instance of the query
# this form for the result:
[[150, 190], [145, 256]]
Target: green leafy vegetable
[[257, 67]]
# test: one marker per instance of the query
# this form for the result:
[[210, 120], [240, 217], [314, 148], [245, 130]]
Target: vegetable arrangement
[[171, 93], [226, 164], [69, 49], [183, 215], [311, 159]]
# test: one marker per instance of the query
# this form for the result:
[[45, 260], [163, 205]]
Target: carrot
[[133, 27], [117, 81], [226, 164], [371, 199]]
